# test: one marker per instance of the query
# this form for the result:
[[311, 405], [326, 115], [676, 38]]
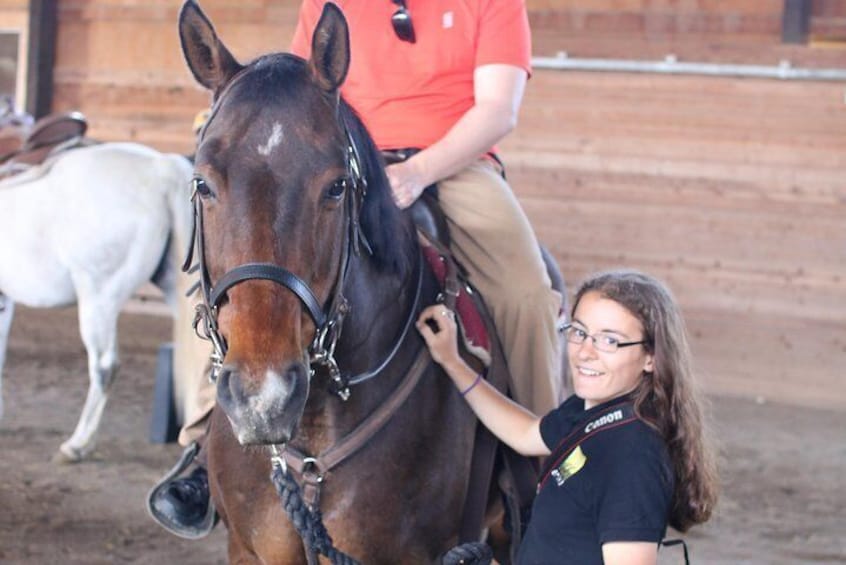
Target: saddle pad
[[470, 322]]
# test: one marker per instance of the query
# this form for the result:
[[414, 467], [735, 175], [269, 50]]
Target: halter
[[328, 320]]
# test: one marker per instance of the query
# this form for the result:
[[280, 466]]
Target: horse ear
[[330, 48], [208, 58]]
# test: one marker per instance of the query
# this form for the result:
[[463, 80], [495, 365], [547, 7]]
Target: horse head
[[282, 167]]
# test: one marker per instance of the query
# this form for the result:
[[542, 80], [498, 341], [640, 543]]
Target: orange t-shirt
[[410, 95]]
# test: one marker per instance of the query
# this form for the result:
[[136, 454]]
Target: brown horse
[[312, 280]]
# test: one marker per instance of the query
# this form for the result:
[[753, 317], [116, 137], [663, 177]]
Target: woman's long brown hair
[[667, 399]]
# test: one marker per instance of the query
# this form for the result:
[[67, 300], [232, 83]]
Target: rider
[[447, 80]]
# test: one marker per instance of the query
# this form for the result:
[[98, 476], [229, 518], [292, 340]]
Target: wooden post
[[164, 428], [795, 21], [41, 56]]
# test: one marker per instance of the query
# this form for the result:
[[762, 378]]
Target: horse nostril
[[224, 374], [295, 372], [228, 383]]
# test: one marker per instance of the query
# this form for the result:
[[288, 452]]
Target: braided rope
[[476, 553], [310, 527], [308, 523]]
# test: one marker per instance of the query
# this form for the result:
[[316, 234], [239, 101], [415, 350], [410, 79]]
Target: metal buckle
[[277, 458], [311, 470]]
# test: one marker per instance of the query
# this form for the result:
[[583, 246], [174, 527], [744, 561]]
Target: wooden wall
[[14, 16], [730, 189], [119, 62], [736, 31], [828, 21]]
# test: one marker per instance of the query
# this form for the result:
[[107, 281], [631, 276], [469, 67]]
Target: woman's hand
[[437, 326], [510, 422]]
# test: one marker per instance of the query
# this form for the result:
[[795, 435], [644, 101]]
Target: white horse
[[90, 228]]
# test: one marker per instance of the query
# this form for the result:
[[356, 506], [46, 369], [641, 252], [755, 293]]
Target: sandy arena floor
[[782, 467]]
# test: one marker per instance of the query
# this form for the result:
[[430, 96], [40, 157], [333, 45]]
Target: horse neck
[[380, 306]]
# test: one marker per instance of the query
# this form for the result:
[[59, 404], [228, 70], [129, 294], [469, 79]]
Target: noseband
[[328, 319]]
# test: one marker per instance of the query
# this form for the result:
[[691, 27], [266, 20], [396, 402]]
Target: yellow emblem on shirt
[[571, 465]]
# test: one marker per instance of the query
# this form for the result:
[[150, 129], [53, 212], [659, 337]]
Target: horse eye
[[336, 189], [201, 187]]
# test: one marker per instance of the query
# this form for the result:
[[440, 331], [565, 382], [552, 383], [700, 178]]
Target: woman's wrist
[[463, 376], [459, 371], [472, 385]]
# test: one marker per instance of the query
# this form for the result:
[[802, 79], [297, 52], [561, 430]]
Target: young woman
[[626, 451]]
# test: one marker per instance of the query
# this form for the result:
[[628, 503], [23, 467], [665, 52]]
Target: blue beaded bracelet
[[472, 386]]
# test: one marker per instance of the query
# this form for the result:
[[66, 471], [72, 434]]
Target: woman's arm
[[508, 421], [630, 553]]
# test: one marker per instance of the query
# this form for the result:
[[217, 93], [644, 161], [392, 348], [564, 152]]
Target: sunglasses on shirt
[[401, 22]]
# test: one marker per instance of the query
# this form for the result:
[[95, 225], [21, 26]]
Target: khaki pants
[[194, 393], [492, 238]]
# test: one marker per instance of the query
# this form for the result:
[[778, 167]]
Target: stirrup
[[211, 517]]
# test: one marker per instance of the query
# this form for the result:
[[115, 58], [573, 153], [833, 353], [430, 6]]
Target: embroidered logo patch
[[447, 20], [572, 465]]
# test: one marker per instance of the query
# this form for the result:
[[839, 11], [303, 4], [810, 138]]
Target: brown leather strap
[[314, 469], [484, 444], [452, 286], [517, 481], [481, 472], [483, 457]]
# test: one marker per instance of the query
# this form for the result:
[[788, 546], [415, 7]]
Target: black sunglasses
[[401, 20]]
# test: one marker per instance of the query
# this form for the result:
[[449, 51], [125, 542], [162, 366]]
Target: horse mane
[[386, 228]]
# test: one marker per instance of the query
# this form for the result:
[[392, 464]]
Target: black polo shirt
[[616, 486]]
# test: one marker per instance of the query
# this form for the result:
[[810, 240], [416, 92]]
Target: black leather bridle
[[328, 319]]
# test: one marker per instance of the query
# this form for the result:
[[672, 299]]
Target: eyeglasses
[[602, 342], [401, 20]]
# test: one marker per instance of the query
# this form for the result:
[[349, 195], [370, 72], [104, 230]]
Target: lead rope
[[307, 522], [474, 553], [316, 539]]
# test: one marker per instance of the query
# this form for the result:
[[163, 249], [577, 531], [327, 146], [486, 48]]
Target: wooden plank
[[699, 6]]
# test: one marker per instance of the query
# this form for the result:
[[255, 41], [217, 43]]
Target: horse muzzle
[[263, 409]]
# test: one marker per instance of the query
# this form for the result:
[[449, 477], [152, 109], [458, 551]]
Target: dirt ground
[[784, 486]]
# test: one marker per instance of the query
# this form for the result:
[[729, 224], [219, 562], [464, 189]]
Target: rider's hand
[[407, 181]]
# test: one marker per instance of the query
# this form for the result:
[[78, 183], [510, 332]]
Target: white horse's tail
[[176, 174]]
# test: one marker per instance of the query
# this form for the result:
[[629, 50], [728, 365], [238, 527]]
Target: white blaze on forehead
[[272, 141]]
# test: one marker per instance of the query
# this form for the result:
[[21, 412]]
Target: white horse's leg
[[7, 312], [98, 327]]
